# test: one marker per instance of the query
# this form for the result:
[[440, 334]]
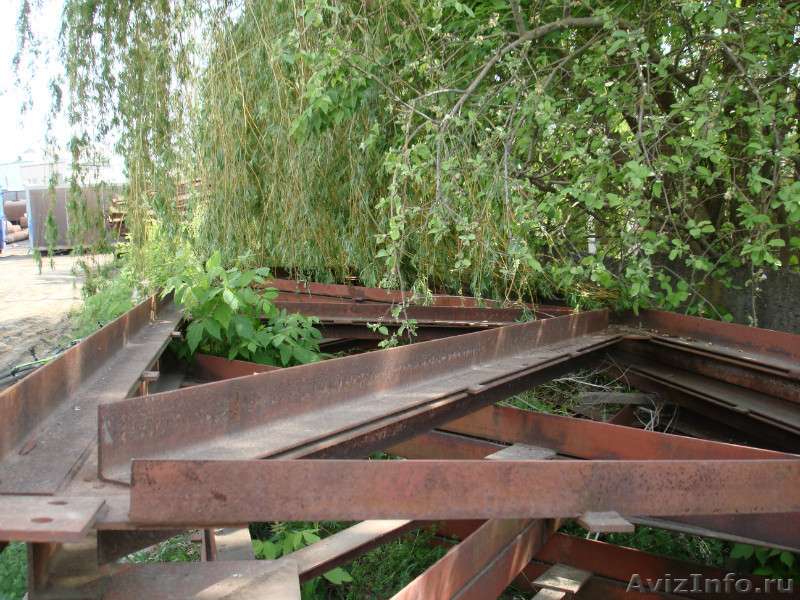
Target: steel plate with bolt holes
[[46, 518]]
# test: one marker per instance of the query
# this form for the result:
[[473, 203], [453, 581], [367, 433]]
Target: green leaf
[[194, 334], [286, 354], [720, 18], [310, 537], [214, 261], [288, 544], [230, 299], [222, 314], [270, 550], [297, 540], [338, 576], [303, 355], [212, 327]]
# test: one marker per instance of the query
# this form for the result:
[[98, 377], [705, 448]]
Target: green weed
[[177, 549], [227, 315], [13, 572]]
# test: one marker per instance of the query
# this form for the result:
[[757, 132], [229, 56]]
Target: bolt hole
[[42, 520], [57, 503]]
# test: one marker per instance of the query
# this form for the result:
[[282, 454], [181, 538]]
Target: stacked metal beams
[[90, 473]]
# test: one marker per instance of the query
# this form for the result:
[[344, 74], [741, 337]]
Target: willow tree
[[494, 147]]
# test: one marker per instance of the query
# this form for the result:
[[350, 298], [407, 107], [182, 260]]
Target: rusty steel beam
[[47, 519], [738, 341], [347, 545], [312, 291], [779, 530], [199, 493], [767, 375], [422, 334], [446, 316], [483, 564], [49, 418], [350, 406], [766, 417], [216, 368], [620, 564], [593, 440], [243, 580]]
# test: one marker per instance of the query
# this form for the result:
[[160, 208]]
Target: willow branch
[[530, 36]]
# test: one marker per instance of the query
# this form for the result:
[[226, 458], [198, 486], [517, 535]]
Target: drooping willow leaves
[[492, 147]]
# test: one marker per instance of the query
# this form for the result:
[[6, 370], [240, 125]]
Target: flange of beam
[[243, 580], [483, 564], [362, 403], [49, 418], [46, 519], [199, 493], [585, 439], [602, 441], [446, 316], [740, 342]]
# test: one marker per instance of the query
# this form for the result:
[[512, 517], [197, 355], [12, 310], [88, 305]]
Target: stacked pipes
[[16, 222]]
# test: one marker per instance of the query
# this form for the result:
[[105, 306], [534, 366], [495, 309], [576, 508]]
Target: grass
[[13, 572], [177, 549]]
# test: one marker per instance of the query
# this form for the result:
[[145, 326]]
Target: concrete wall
[[775, 303]]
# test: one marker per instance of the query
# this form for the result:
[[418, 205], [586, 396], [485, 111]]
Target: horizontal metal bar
[[310, 408], [765, 345], [592, 440], [46, 518], [313, 291], [447, 316], [422, 334], [749, 377], [52, 412], [243, 580], [768, 375], [197, 493]]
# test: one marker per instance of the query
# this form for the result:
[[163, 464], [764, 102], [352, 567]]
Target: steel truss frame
[[94, 468]]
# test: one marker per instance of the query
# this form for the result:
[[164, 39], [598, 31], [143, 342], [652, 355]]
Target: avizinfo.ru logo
[[699, 584]]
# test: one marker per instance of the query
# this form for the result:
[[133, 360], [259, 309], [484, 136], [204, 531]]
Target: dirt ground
[[34, 308]]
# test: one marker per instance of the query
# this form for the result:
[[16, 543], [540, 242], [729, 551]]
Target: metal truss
[[98, 463]]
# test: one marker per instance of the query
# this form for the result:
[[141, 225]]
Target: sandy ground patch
[[34, 308]]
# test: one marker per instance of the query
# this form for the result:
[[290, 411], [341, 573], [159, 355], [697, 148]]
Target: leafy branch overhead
[[618, 152]]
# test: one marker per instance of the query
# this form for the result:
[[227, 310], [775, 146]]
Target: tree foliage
[[609, 152]]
